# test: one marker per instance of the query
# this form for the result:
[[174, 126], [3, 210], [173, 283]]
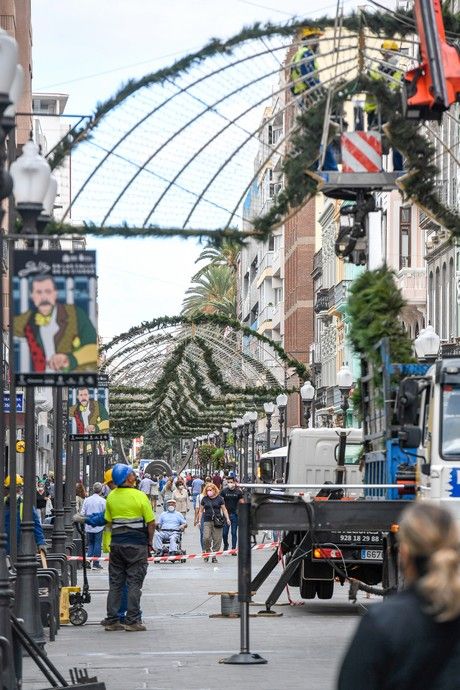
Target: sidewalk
[[182, 645]]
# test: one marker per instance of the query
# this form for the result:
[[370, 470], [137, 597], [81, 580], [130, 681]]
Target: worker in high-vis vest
[[304, 71], [132, 521], [391, 69], [304, 76]]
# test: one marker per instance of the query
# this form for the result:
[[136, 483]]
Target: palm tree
[[212, 292], [226, 254]]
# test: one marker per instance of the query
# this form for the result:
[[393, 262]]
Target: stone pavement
[[182, 646]]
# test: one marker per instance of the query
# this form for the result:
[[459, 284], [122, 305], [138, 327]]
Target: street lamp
[[344, 383], [269, 409], [31, 174], [281, 403], [253, 419], [8, 96], [307, 393], [427, 344], [240, 427], [247, 423]]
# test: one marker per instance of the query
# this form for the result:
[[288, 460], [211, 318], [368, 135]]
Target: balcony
[[266, 314], [412, 283], [278, 315], [277, 262], [341, 292], [322, 301]]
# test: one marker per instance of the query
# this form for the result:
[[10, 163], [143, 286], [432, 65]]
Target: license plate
[[371, 555]]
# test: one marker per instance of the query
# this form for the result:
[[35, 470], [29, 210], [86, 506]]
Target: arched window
[[452, 325], [430, 297], [437, 301], [444, 316]]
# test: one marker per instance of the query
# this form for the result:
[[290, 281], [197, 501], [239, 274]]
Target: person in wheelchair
[[169, 527]]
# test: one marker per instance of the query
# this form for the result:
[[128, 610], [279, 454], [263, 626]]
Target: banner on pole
[[55, 325], [89, 412]]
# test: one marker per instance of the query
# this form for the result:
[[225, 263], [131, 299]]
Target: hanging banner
[[55, 327], [89, 412]]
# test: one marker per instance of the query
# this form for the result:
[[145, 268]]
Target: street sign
[[20, 446], [19, 402]]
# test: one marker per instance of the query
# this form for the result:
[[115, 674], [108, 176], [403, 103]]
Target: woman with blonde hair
[[412, 640], [215, 515]]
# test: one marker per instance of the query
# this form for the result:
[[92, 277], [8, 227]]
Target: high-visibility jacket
[[129, 511], [304, 70], [371, 104]]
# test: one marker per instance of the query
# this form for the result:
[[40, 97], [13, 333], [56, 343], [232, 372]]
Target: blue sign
[[19, 402]]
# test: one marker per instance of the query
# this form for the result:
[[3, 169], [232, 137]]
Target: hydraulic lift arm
[[433, 86]]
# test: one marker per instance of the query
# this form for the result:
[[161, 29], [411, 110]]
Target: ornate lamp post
[[281, 403], [307, 393], [253, 419], [427, 345], [344, 383], [269, 409], [8, 71], [247, 423], [31, 173], [240, 427]]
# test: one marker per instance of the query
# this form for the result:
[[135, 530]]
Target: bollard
[[244, 585]]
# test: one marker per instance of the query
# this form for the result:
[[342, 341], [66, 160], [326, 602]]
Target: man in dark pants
[[131, 517], [232, 495]]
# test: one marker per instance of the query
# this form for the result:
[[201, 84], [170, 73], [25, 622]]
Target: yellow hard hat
[[307, 31], [389, 45], [108, 476], [19, 481]]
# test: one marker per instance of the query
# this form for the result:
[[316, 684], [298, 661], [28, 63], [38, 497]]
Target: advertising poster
[[55, 329], [89, 412]]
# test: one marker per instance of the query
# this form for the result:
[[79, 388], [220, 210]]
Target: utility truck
[[409, 448]]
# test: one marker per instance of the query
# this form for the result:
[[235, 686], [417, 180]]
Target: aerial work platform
[[345, 185]]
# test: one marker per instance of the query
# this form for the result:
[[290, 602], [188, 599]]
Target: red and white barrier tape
[[185, 556]]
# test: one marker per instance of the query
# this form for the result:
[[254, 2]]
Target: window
[[404, 236], [450, 409], [271, 243]]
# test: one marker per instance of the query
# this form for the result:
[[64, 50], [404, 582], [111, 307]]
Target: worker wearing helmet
[[389, 70], [38, 529], [304, 76], [132, 520], [388, 50], [304, 65]]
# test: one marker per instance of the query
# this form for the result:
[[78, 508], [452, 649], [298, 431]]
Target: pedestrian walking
[[154, 492], [94, 504], [180, 495], [80, 495], [162, 482], [130, 514], [196, 488], [217, 480], [410, 641], [215, 515], [150, 488], [232, 495], [167, 491]]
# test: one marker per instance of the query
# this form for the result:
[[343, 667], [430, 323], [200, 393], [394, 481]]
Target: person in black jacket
[[411, 641]]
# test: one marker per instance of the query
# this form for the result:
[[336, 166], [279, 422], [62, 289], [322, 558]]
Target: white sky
[[87, 48]]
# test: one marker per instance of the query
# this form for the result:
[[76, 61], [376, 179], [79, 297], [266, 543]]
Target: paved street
[[183, 645]]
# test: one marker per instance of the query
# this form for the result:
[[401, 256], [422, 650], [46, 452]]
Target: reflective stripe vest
[[370, 105], [304, 70]]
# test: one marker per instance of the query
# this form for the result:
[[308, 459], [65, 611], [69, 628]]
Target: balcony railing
[[341, 292], [322, 300]]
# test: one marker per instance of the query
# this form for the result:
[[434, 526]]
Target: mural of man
[[89, 416], [60, 337]]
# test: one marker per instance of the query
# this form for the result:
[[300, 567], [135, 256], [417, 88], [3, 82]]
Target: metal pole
[[246, 453], [8, 677], [269, 426], [58, 535], [68, 491], [27, 601], [12, 426], [253, 449], [244, 585], [281, 420], [240, 455]]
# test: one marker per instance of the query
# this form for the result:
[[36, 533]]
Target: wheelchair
[[179, 550]]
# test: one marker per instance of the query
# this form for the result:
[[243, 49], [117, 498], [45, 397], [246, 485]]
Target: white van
[[313, 453]]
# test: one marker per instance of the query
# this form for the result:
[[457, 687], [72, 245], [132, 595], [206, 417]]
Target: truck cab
[[438, 433]]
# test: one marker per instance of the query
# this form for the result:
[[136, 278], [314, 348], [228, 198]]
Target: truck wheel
[[325, 589], [307, 589]]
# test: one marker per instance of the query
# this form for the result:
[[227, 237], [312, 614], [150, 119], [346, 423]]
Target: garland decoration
[[192, 392]]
